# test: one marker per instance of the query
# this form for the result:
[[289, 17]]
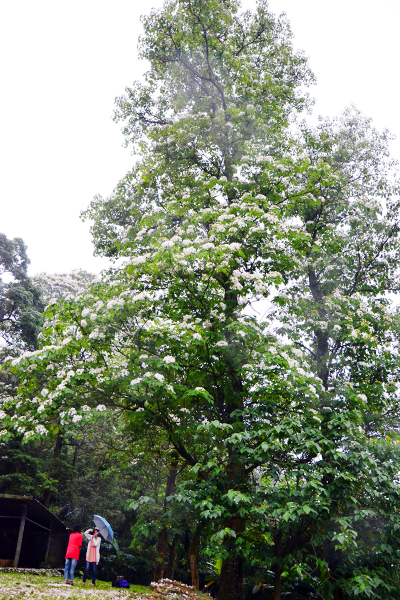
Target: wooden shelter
[[30, 535]]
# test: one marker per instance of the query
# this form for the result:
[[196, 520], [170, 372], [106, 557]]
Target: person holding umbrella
[[92, 554]]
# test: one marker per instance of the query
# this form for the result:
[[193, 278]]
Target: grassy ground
[[36, 587]]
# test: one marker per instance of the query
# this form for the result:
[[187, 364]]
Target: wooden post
[[20, 535], [48, 546]]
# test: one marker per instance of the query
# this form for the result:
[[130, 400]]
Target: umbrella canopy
[[104, 528]]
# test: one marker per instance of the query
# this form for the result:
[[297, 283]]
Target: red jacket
[[74, 545]]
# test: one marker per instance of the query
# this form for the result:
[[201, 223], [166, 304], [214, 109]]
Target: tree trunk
[[162, 541], [194, 571], [322, 350], [338, 594], [193, 546], [56, 457], [278, 567], [169, 571], [231, 580], [277, 583]]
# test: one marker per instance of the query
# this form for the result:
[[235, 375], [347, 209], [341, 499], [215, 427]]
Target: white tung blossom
[[138, 260], [221, 343], [297, 352], [169, 359], [96, 334], [234, 246], [41, 429], [236, 285], [159, 376], [100, 407]]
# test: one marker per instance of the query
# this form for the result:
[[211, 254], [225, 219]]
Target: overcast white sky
[[63, 63]]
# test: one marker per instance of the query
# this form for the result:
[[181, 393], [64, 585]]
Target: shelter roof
[[11, 506]]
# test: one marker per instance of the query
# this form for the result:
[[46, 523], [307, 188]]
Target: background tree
[[63, 467], [58, 285], [21, 306]]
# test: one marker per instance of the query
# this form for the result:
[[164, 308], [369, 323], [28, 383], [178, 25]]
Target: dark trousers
[[86, 571]]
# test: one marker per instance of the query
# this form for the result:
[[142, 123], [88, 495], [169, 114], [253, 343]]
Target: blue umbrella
[[104, 528]]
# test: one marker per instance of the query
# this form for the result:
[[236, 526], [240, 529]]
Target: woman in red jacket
[[72, 555]]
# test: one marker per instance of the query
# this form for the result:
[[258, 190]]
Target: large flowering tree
[[248, 322]]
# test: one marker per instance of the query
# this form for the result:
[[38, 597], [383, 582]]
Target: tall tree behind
[[21, 305]]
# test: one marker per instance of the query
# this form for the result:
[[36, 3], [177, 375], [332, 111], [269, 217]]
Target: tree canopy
[[248, 325]]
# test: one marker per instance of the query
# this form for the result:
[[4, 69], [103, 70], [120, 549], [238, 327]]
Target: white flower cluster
[[138, 260], [259, 285], [189, 250], [96, 334], [168, 359], [41, 429], [234, 246]]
